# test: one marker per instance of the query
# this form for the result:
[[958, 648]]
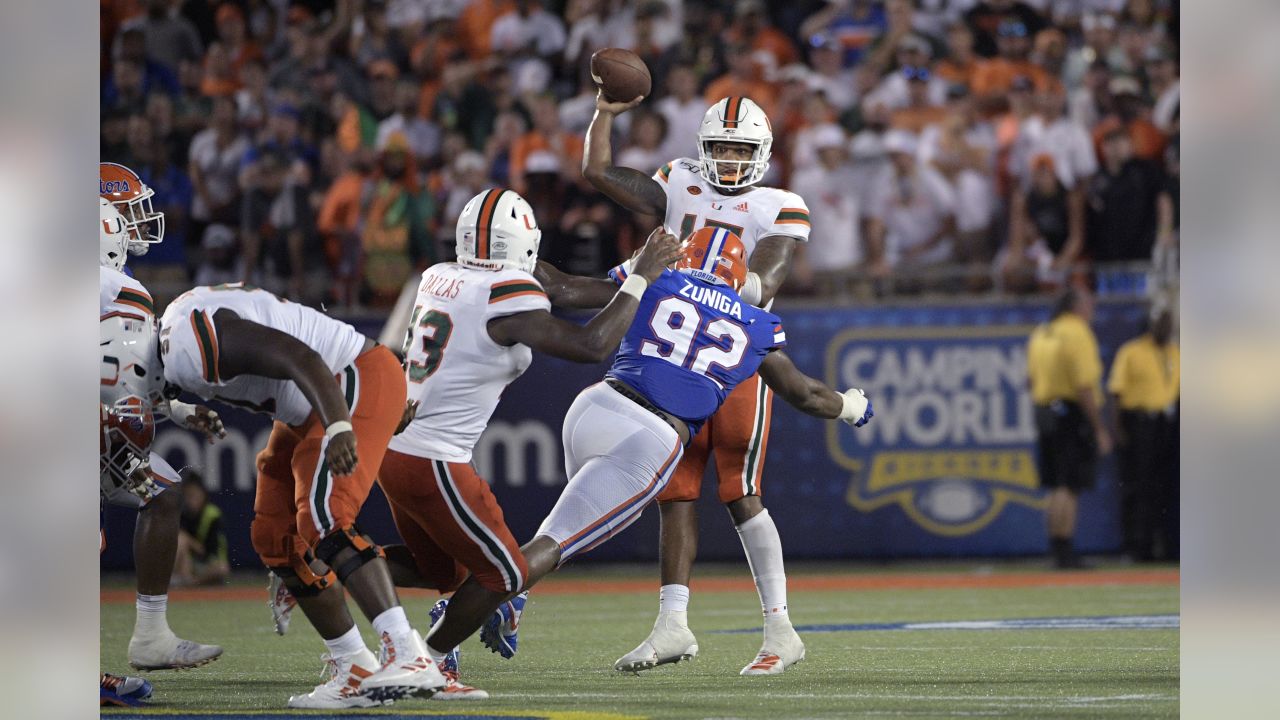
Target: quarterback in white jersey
[[473, 330], [124, 301], [719, 189]]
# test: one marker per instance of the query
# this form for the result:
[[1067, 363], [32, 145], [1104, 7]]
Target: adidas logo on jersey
[[741, 207]]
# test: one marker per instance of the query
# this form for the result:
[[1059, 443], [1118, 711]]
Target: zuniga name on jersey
[[712, 298]]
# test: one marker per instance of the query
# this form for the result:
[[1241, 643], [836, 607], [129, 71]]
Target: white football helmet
[[737, 120], [497, 230], [131, 366], [113, 236]]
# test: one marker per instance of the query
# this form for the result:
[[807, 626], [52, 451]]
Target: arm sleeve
[[515, 295], [663, 175], [792, 219], [189, 344]]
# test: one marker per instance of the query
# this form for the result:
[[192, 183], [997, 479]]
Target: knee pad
[[301, 579], [347, 550]]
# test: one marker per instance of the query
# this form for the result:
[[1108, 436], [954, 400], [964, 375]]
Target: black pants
[[1148, 484]]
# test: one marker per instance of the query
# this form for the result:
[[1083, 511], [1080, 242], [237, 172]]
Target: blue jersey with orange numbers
[[691, 343]]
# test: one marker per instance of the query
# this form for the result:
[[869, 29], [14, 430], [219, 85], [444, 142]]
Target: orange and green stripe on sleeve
[[792, 216], [137, 299], [207, 341], [514, 289], [665, 172]]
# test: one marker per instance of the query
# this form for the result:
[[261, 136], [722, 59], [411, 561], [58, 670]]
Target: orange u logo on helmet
[[714, 253]]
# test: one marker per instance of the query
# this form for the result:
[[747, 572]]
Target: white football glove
[[857, 408], [198, 418], [137, 478]]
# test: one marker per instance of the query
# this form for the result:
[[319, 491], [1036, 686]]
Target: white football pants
[[618, 457]]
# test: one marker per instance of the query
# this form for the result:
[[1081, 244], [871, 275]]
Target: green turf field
[[569, 639]]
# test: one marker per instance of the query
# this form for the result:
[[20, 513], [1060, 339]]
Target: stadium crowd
[[324, 148]]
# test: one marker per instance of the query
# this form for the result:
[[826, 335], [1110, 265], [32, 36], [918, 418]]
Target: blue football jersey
[[691, 343]]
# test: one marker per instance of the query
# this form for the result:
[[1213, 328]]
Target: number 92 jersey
[[456, 372], [691, 343], [694, 203]]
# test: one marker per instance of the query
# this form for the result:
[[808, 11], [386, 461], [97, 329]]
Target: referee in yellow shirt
[[1065, 373], [1144, 387]]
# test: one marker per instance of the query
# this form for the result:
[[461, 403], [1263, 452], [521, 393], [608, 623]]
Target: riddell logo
[[694, 190]]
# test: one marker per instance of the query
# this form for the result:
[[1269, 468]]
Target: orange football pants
[[736, 435], [451, 523], [299, 500]]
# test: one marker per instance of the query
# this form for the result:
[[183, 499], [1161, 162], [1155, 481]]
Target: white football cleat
[[407, 670], [343, 688], [170, 652], [670, 641], [281, 602], [782, 648]]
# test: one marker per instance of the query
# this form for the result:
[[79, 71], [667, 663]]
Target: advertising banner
[[946, 467]]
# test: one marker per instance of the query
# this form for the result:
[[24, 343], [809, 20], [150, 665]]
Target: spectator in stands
[[1128, 112], [214, 166], [275, 176], [837, 83], [546, 136], [1162, 78], [170, 37], [986, 17], [1049, 130], [993, 78], [885, 53], [468, 176], [1092, 101], [958, 66], [395, 225], [376, 41], [1099, 47], [920, 111], [339, 222], [1065, 374], [475, 24], [114, 138], [219, 77], [683, 109], [1046, 230], [527, 33], [911, 214], [741, 80], [157, 77], [1049, 52], [191, 108], [423, 135], [234, 37], [894, 91], [645, 149], [202, 539], [1144, 388], [254, 99], [855, 24], [647, 41], [124, 89], [751, 27], [589, 30], [1168, 218], [507, 131], [961, 147], [219, 252], [829, 259], [1122, 200]]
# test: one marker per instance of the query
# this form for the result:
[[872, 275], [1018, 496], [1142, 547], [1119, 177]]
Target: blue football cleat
[[121, 691], [454, 688], [499, 632], [450, 663]]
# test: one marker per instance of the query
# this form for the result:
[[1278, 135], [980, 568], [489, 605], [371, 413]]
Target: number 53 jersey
[[456, 372], [691, 343]]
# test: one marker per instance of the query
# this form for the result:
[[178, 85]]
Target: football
[[621, 74]]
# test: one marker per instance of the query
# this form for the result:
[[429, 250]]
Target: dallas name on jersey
[[693, 203], [456, 372]]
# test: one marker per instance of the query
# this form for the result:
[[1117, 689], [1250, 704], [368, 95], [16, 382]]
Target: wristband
[[751, 289], [339, 427], [634, 286]]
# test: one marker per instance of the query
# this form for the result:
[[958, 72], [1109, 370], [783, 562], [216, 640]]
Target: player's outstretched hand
[[410, 410], [614, 108], [198, 418], [659, 252], [341, 453]]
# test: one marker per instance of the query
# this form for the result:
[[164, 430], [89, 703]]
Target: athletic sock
[[151, 619], [764, 554], [347, 644], [393, 622], [673, 598], [1061, 549]]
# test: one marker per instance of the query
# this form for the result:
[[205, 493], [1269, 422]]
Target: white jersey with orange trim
[[694, 203], [120, 293], [456, 372], [189, 347]]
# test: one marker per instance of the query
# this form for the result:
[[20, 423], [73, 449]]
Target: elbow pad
[[751, 289]]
